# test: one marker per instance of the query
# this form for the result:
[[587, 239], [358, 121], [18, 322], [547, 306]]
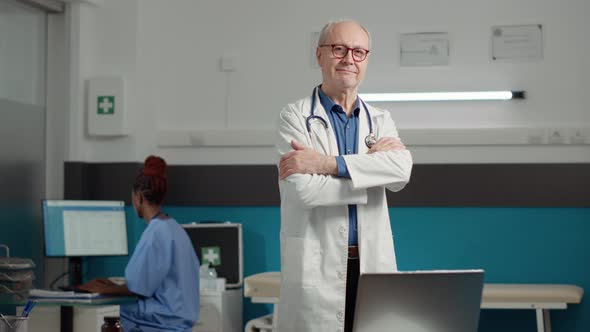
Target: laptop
[[422, 301]]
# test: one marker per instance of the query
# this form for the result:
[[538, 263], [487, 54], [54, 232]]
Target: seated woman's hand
[[98, 285]]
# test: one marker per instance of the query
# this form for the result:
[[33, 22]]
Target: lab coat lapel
[[320, 139], [326, 138], [363, 129]]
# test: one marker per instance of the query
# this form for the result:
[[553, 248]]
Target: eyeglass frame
[[347, 50]]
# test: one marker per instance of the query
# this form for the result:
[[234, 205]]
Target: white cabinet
[[42, 319], [91, 318], [86, 318], [220, 311]]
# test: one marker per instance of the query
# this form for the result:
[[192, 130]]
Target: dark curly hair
[[151, 181]]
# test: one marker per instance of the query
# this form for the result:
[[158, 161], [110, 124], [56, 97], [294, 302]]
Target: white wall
[[22, 54], [169, 52]]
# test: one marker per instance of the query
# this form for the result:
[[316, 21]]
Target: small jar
[[111, 324]]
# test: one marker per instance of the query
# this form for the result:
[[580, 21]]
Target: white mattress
[[267, 284], [532, 293]]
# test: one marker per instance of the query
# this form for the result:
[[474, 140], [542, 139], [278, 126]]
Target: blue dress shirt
[[346, 131]]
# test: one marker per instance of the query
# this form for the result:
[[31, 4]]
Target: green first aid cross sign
[[211, 255], [106, 105]]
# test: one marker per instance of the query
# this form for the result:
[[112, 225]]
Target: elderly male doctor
[[338, 155]]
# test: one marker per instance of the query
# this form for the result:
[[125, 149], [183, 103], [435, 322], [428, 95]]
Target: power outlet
[[228, 63], [556, 136], [577, 136], [536, 136]]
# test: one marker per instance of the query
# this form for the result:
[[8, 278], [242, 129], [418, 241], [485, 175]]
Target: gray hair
[[328, 28]]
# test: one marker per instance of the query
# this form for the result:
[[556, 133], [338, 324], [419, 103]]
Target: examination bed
[[265, 288]]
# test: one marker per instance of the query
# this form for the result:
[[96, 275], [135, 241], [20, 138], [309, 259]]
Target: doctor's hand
[[304, 160], [387, 144]]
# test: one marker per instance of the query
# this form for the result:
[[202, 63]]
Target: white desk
[[84, 319], [265, 288], [69, 315]]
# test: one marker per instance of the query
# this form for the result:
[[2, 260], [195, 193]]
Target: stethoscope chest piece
[[370, 140]]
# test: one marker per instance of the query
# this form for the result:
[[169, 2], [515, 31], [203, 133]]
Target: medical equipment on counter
[[219, 248], [16, 277]]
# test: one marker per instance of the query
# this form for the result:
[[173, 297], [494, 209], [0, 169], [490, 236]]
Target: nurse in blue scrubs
[[163, 271]]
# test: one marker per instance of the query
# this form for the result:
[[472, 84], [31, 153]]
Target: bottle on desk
[[208, 277], [111, 324]]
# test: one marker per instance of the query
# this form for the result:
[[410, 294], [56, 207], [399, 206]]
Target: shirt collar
[[329, 104]]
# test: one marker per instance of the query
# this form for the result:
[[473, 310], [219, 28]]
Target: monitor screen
[[84, 228]]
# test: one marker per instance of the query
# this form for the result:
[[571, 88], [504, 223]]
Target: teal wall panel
[[513, 245]]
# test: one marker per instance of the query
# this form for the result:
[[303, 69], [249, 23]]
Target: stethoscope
[[370, 139]]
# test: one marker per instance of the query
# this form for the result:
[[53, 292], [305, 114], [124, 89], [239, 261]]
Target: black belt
[[353, 252]]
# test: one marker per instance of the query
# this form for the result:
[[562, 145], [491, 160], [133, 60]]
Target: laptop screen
[[424, 301]]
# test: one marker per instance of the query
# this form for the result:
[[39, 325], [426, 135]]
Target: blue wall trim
[[513, 245]]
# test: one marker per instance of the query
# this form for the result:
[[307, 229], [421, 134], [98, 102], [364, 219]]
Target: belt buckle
[[353, 252]]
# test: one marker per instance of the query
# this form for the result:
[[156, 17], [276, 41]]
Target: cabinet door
[[210, 315], [90, 319]]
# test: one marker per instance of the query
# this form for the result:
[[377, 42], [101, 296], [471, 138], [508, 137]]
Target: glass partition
[[23, 38]]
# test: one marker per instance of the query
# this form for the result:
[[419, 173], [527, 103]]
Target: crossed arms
[[311, 176]]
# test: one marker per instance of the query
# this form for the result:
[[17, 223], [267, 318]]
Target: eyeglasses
[[340, 51]]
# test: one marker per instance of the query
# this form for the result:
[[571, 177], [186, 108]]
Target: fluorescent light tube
[[443, 96]]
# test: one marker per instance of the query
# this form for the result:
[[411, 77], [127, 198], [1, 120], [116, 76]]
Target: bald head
[[327, 29]]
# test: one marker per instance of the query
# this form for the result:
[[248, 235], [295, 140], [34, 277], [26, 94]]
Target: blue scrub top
[[164, 272]]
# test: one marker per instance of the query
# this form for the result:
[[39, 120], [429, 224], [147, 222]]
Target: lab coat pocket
[[302, 260]]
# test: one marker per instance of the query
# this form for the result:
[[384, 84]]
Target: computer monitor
[[84, 228]]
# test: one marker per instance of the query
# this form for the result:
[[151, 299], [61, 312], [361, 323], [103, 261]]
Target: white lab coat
[[314, 218]]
